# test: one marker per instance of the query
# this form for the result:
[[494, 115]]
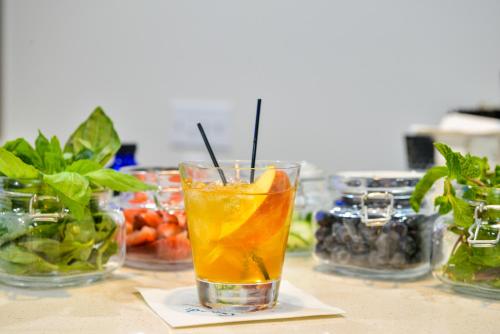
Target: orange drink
[[239, 230]]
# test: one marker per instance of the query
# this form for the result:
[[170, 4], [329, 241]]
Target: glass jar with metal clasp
[[467, 258], [372, 231]]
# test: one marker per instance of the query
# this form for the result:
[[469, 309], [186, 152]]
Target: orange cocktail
[[238, 231]]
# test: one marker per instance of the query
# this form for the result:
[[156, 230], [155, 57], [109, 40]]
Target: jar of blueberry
[[372, 231]]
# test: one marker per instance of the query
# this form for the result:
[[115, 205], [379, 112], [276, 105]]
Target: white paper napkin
[[181, 308]]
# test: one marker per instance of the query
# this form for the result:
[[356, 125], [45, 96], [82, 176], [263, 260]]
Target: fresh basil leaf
[[85, 154], [73, 189], [18, 256], [42, 144], [14, 167], [53, 158], [96, 135], [117, 181], [11, 229], [77, 266], [48, 247], [83, 166], [80, 230], [23, 150], [425, 184]]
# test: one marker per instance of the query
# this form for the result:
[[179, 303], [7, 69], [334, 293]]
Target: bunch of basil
[[84, 238], [478, 184]]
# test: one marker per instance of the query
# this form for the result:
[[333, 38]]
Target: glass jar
[[467, 259], [43, 245], [312, 195], [372, 231], [157, 236]]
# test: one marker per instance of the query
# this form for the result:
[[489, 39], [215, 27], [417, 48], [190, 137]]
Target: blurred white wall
[[340, 80]]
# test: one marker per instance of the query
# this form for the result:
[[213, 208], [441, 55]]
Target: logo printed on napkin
[[180, 307]]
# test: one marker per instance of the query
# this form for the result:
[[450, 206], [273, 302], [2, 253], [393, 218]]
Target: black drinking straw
[[255, 137], [212, 155]]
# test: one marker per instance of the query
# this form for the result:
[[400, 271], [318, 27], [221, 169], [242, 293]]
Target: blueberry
[[321, 252], [322, 218], [322, 232], [341, 234], [358, 245], [340, 255], [329, 242], [408, 246], [398, 260], [400, 228], [376, 259], [369, 234]]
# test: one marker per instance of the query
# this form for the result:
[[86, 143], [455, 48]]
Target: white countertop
[[113, 306]]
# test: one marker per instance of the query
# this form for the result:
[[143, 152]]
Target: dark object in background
[[419, 151], [125, 156], [483, 112]]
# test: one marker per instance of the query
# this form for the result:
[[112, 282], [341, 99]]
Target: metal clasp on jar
[[385, 213], [475, 228], [34, 209]]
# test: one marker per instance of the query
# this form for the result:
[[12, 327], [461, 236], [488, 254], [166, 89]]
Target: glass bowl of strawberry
[[157, 236]]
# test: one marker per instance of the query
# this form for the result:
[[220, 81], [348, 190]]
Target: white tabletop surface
[[113, 306]]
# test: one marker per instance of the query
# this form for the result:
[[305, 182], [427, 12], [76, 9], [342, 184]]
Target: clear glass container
[[312, 195], [43, 245], [371, 231], [157, 236], [467, 259]]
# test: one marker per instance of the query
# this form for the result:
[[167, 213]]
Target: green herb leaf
[[83, 166], [443, 203], [42, 144], [459, 266], [23, 150], [13, 167], [73, 189], [425, 184], [96, 136], [53, 158], [117, 181], [453, 159], [19, 255], [11, 229], [470, 167], [462, 212]]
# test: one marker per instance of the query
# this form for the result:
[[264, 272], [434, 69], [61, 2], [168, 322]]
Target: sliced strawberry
[[168, 218], [139, 221], [166, 230], [129, 226], [175, 178], [130, 213], [181, 218], [152, 218], [146, 234], [173, 248], [175, 198], [139, 197]]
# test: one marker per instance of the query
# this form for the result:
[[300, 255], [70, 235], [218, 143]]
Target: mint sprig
[[466, 170], [479, 183]]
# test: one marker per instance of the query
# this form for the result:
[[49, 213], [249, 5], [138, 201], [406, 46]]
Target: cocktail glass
[[239, 230]]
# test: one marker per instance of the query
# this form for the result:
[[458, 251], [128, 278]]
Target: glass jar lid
[[374, 196]]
